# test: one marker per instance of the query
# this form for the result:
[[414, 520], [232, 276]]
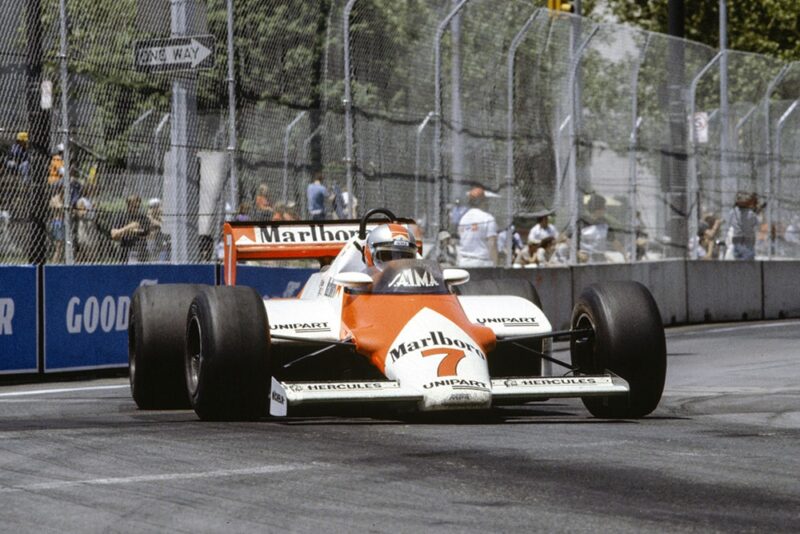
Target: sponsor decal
[[6, 316], [342, 386], [277, 397], [330, 289], [302, 327], [434, 340], [456, 383], [107, 313], [312, 233], [509, 321], [413, 278], [560, 381]]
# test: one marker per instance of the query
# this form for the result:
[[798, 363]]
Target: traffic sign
[[178, 53]]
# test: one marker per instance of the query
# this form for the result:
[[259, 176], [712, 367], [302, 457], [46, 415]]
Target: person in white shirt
[[543, 227], [477, 231]]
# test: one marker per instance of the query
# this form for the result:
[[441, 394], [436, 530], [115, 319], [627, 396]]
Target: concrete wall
[[686, 291], [781, 282]]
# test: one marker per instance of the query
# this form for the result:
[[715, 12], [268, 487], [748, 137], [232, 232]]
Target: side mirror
[[455, 277], [352, 279]]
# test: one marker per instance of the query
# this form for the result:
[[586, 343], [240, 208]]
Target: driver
[[388, 242]]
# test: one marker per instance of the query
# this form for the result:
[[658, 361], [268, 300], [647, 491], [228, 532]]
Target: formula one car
[[378, 325]]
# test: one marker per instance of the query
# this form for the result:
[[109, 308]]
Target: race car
[[378, 326]]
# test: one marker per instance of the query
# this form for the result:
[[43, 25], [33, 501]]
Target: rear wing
[[291, 240]]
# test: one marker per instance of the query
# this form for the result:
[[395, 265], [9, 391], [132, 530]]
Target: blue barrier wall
[[271, 282], [86, 310], [19, 332]]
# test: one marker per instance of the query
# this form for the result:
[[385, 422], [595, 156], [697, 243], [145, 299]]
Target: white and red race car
[[408, 335]]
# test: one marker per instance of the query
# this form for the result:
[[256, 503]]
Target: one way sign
[[178, 53]]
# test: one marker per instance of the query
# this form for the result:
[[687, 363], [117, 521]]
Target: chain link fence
[[129, 132]]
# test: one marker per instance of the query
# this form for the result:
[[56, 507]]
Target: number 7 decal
[[447, 367]]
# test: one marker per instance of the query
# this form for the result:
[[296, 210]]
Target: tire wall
[[60, 318]]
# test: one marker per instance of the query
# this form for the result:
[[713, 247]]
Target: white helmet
[[388, 242]]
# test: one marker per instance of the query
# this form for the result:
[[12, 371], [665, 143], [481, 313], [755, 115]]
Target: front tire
[[156, 329], [227, 359], [628, 341]]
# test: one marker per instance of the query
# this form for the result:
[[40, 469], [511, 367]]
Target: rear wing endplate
[[290, 240]]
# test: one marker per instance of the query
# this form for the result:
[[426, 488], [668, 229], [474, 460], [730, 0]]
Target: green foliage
[[765, 27]]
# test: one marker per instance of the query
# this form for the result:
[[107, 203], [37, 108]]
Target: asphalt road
[[722, 453]]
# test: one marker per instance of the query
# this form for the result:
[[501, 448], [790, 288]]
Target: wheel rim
[[585, 352], [195, 354], [132, 349]]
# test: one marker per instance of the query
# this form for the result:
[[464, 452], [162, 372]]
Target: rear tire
[[156, 331], [227, 359], [508, 360], [628, 341]]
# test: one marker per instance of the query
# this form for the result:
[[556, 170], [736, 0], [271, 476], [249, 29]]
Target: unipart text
[[509, 321]]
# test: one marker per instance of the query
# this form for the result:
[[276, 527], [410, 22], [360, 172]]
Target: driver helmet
[[387, 242]]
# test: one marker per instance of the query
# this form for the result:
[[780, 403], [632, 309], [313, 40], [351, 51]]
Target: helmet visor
[[389, 254]]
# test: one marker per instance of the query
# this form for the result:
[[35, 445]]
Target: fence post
[[634, 141], [348, 113], [575, 205], [773, 84], [234, 186], [779, 168], [512, 52], [437, 131], [62, 56], [287, 133], [420, 129], [693, 186]]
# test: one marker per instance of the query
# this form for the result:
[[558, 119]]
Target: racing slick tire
[[156, 331], [227, 358], [508, 360], [628, 340]]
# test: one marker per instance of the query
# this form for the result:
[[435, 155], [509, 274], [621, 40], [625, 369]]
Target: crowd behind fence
[[119, 147]]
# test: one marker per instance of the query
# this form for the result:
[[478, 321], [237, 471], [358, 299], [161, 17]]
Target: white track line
[[143, 479], [59, 390], [734, 328]]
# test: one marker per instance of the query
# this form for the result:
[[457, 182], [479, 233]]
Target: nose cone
[[436, 357]]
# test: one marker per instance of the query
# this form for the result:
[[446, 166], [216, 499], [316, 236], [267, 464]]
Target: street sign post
[[192, 52]]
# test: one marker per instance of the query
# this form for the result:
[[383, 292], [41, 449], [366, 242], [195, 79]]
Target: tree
[[767, 27]]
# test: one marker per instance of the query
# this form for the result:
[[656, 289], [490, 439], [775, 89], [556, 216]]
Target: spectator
[[56, 226], [707, 233], [457, 210], [262, 210], [597, 235], [245, 209], [502, 243], [543, 228], [447, 251], [338, 202], [87, 236], [56, 172], [546, 255], [527, 255], [131, 231], [17, 160], [316, 194], [284, 212], [158, 243], [477, 232], [743, 221]]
